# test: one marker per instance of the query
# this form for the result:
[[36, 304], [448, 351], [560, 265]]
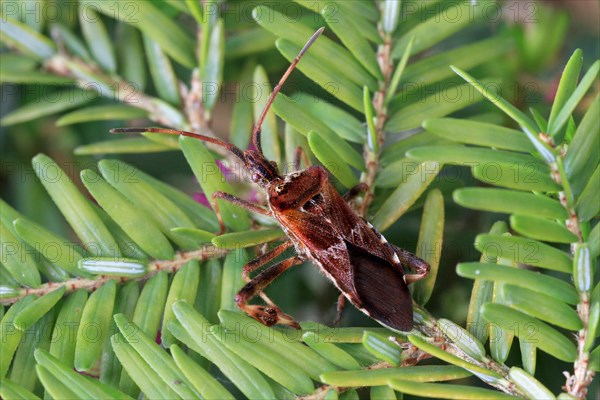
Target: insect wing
[[381, 289]]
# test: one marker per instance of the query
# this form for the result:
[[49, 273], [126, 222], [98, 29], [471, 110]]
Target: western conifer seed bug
[[324, 229]]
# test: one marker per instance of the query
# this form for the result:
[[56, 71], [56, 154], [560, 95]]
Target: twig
[[322, 392], [191, 117], [576, 384], [384, 58], [90, 285], [89, 76], [430, 329]]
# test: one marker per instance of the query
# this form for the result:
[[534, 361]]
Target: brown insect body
[[346, 248], [324, 229]]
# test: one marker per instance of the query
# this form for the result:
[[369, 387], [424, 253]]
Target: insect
[[323, 228]]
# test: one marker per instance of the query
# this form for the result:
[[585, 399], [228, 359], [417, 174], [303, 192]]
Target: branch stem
[[429, 328], [90, 285], [577, 384], [384, 58]]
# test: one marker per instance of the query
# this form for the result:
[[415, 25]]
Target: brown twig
[[578, 383], [90, 285], [384, 58], [321, 393], [190, 117], [89, 76]]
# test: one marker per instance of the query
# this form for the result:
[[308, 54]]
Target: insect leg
[[341, 302], [238, 202], [300, 156], [411, 261], [271, 314], [262, 260], [355, 191]]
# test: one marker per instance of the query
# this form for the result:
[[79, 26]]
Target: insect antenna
[[255, 132], [258, 125], [239, 153]]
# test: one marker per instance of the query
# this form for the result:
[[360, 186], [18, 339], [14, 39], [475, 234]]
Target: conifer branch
[[153, 267]]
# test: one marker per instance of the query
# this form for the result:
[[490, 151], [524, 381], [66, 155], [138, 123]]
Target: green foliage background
[[456, 165]]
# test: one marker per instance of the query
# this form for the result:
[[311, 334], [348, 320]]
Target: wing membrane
[[381, 289]]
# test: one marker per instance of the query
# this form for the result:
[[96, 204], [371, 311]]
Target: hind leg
[[341, 302], [411, 261]]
